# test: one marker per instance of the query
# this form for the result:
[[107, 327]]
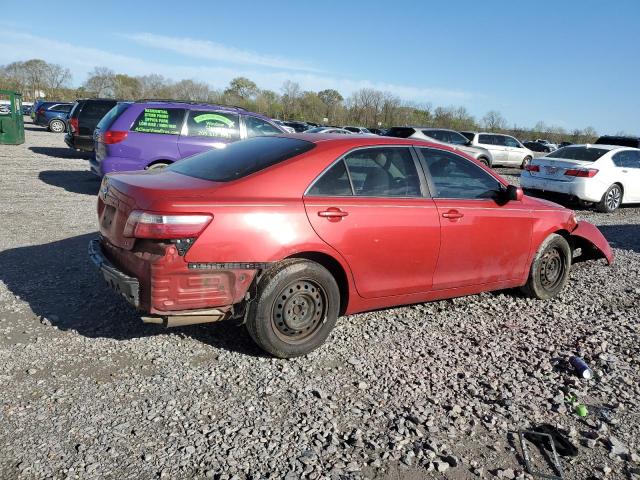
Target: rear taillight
[[160, 226], [41, 111], [113, 136], [73, 123], [532, 168], [581, 172]]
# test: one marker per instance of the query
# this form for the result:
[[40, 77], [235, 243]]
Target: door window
[[333, 182], [167, 121], [61, 108], [486, 139], [499, 140], [627, 159], [207, 123], [511, 142], [457, 177], [257, 127], [383, 172], [457, 138]]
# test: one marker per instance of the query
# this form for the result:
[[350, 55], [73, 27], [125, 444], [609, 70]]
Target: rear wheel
[[57, 126], [295, 309], [550, 269], [158, 166], [611, 199], [525, 162], [484, 161]]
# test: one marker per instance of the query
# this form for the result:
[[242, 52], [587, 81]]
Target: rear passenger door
[[155, 133], [205, 129], [627, 165], [372, 206], [496, 145]]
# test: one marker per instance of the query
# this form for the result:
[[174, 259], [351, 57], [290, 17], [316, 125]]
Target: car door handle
[[332, 212], [453, 214]]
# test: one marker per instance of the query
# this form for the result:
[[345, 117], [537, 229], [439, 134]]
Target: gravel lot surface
[[427, 391]]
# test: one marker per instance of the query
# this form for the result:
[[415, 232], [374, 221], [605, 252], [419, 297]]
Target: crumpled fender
[[590, 240]]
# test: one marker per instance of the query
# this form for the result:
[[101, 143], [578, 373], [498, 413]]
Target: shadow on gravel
[[35, 129], [60, 283], [83, 182], [61, 152], [626, 237]]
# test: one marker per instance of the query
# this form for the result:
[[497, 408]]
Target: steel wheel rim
[[299, 310], [552, 268], [613, 198]]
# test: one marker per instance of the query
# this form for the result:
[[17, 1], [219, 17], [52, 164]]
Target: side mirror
[[514, 193]]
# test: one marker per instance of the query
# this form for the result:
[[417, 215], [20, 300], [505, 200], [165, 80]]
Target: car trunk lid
[[552, 169]]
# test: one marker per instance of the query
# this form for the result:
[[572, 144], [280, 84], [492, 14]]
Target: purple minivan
[[155, 133]]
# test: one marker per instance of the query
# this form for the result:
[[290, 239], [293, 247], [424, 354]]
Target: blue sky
[[568, 63]]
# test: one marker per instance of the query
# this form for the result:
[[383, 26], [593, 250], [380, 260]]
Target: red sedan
[[290, 232]]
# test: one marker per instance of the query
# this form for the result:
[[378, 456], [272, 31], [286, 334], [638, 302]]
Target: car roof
[[363, 140], [602, 146], [200, 105]]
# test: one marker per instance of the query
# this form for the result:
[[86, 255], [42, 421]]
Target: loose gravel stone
[[426, 390]]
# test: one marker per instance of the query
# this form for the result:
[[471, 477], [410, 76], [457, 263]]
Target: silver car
[[505, 149], [339, 131], [446, 137]]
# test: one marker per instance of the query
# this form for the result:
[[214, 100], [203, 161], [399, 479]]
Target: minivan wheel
[[611, 199], [295, 309], [549, 271], [157, 166], [57, 126], [484, 161], [525, 162]]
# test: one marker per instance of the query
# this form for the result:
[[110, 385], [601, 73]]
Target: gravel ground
[[432, 390]]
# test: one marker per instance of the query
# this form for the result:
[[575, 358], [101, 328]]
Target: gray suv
[[446, 137]]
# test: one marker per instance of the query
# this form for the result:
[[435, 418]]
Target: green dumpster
[[11, 121]]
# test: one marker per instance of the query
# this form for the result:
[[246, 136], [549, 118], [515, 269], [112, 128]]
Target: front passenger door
[[496, 146], [484, 240]]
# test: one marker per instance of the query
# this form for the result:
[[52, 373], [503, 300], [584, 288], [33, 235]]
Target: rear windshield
[[75, 110], [400, 132], [240, 159], [585, 154], [622, 141], [93, 111], [111, 116]]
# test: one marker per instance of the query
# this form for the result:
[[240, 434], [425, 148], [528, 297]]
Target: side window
[[457, 139], [457, 177], [333, 182], [383, 172], [485, 139], [213, 124], [627, 159], [61, 108], [437, 134], [511, 142], [167, 121], [256, 127]]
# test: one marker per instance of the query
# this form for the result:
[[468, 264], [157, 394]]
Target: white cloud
[[81, 60], [208, 50]]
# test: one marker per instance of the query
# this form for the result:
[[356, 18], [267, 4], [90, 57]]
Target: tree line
[[366, 107]]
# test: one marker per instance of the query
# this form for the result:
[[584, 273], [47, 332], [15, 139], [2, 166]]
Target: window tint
[[95, 110], [166, 121], [627, 159], [203, 123], [633, 142], [240, 159], [111, 116], [457, 139], [457, 177], [61, 108], [499, 140], [401, 132], [437, 134], [511, 142], [256, 127], [485, 139], [383, 172], [333, 182], [469, 135], [587, 154]]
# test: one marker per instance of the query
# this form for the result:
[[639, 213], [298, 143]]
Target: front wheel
[[525, 162], [611, 199], [550, 269], [295, 309], [484, 161], [57, 126]]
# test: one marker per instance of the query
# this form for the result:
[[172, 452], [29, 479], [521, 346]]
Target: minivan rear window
[[621, 141], [167, 121], [585, 154], [111, 116], [240, 159], [400, 132]]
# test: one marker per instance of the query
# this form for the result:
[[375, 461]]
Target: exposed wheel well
[[156, 162], [334, 267]]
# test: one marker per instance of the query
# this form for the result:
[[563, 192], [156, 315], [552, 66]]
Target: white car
[[284, 127], [359, 130], [505, 150], [606, 175], [339, 131]]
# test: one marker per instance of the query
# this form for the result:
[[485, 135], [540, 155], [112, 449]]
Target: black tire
[[611, 200], [484, 161], [295, 309], [57, 126], [157, 166], [526, 161], [549, 271]]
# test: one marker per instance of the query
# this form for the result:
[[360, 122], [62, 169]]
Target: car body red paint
[[391, 251]]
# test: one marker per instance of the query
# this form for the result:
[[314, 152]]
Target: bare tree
[[494, 121], [290, 99], [101, 82]]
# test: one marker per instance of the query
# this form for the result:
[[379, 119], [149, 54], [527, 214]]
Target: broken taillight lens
[[165, 226], [581, 172]]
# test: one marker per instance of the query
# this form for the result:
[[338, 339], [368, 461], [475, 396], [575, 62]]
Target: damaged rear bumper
[[590, 240]]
